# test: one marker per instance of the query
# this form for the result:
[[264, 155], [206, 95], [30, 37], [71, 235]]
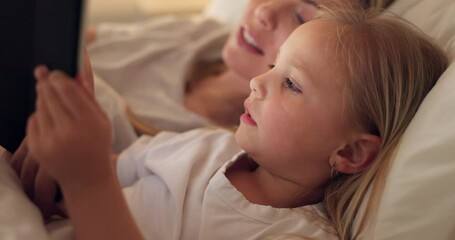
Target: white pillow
[[19, 218], [418, 201]]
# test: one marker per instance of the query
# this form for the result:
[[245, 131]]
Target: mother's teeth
[[249, 39]]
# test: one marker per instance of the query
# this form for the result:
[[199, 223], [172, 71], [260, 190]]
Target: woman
[[170, 81]]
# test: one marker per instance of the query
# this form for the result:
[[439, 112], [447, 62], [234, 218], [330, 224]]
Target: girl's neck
[[261, 187]]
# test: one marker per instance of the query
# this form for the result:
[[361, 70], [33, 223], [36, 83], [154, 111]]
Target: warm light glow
[[135, 10], [177, 6]]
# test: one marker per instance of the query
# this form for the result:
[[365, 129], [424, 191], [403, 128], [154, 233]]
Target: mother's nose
[[266, 15]]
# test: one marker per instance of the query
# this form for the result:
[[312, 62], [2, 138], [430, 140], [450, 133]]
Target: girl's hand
[[68, 134]]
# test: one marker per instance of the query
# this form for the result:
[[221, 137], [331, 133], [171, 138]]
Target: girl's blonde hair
[[389, 67]]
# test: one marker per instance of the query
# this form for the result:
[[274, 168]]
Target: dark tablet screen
[[33, 32]]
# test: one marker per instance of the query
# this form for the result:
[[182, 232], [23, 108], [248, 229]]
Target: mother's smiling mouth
[[247, 41]]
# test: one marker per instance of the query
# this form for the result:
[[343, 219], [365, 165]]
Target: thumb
[[85, 75]]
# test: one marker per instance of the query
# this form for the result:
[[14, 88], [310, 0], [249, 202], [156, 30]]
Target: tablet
[[34, 32]]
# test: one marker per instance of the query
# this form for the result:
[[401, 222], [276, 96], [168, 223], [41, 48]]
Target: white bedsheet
[[19, 218]]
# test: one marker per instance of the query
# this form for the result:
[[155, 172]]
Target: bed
[[418, 201]]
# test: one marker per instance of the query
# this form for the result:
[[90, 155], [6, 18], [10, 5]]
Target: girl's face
[[293, 121], [266, 24]]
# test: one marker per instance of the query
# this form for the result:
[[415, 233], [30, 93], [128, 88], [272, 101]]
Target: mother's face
[[253, 45]]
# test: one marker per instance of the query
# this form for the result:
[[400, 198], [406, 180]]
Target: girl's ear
[[356, 155]]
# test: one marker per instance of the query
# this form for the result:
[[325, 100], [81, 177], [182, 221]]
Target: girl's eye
[[290, 84]]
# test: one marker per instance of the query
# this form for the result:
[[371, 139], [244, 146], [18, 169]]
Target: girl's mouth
[[247, 118]]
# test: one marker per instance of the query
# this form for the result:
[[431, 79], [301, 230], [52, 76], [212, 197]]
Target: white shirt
[[176, 188]]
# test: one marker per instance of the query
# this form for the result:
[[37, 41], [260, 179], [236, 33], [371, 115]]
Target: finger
[[88, 72], [85, 76], [45, 190], [42, 109], [90, 35], [18, 157], [33, 134], [57, 110], [28, 175], [73, 96], [41, 72]]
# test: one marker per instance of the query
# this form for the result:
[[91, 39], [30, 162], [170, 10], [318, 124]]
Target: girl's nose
[[266, 14], [257, 87]]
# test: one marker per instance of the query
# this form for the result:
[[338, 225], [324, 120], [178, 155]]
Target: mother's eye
[[298, 19], [306, 11]]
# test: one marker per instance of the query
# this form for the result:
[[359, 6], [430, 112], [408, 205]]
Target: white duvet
[[19, 218]]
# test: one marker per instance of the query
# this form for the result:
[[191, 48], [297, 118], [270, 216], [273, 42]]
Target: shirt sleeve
[[131, 161]]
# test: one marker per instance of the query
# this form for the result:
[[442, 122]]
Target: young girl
[[318, 127]]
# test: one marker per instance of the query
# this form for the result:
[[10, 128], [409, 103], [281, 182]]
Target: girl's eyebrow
[[303, 70]]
